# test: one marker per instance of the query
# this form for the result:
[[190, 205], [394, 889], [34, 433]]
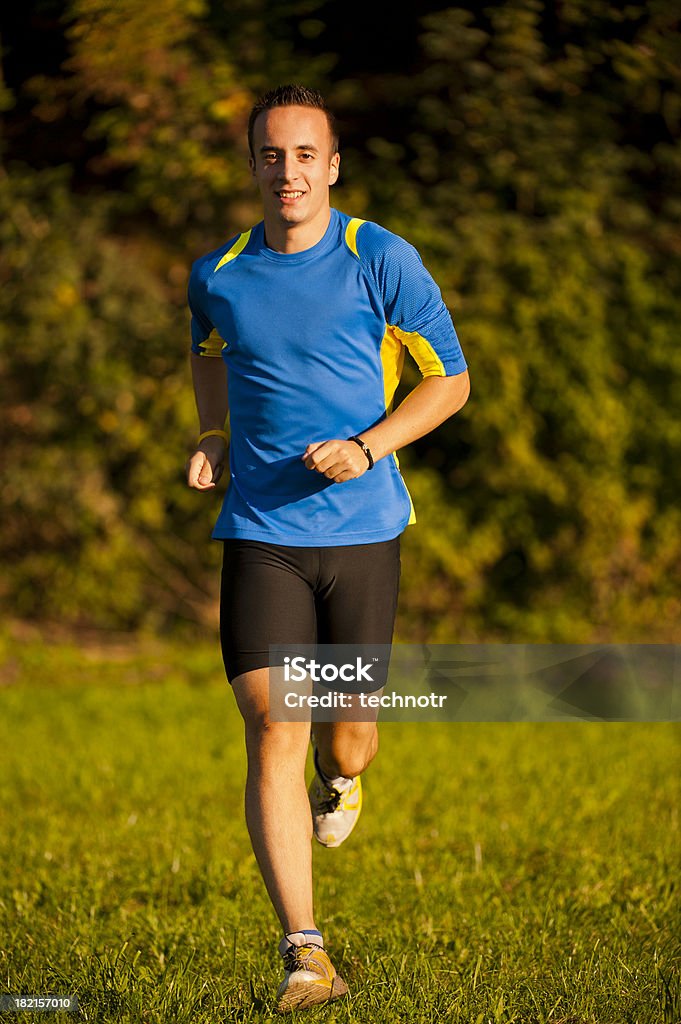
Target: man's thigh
[[356, 599], [266, 598]]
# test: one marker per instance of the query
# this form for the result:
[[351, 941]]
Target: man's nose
[[288, 169]]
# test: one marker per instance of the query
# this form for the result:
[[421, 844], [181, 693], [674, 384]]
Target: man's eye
[[306, 156]]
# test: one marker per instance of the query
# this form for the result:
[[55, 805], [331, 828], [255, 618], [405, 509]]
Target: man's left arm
[[430, 403], [418, 317]]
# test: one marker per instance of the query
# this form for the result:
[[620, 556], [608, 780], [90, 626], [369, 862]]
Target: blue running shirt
[[314, 344]]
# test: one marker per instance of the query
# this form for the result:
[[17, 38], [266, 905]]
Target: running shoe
[[310, 979], [335, 809]]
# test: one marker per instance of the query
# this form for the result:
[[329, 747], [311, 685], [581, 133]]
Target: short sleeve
[[201, 328], [412, 301]]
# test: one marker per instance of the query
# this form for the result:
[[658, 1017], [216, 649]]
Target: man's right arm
[[205, 466]]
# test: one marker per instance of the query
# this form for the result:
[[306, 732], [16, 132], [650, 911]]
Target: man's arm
[[431, 402], [209, 375]]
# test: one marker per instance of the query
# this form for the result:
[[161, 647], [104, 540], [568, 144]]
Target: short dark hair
[[292, 96]]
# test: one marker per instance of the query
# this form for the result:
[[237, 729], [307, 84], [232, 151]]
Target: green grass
[[500, 873]]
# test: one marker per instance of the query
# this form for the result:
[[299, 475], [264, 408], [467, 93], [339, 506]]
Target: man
[[311, 311]]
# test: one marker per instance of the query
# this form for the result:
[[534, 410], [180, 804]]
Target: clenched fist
[[337, 460], [205, 466]]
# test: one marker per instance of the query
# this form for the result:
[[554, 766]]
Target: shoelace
[[331, 805], [295, 960]]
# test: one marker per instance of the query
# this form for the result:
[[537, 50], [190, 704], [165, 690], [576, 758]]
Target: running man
[[306, 317]]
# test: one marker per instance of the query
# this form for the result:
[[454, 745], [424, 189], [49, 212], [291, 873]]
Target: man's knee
[[348, 751], [278, 741], [266, 738]]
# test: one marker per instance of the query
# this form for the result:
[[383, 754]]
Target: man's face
[[293, 163]]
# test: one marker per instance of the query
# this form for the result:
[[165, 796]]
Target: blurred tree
[[167, 101], [531, 152], [97, 526], [533, 158]]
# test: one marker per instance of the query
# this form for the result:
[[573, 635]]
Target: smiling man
[[305, 319]]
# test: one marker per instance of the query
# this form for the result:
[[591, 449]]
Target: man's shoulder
[[387, 259], [372, 243], [205, 265]]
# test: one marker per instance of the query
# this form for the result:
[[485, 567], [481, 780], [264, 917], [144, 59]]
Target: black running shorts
[[276, 594]]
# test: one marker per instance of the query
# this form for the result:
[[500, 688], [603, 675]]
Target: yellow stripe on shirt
[[212, 346], [231, 254], [425, 356], [351, 234]]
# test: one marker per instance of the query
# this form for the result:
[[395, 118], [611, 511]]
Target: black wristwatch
[[365, 448]]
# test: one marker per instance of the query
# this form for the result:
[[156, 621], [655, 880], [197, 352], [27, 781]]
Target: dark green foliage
[[96, 522], [531, 152]]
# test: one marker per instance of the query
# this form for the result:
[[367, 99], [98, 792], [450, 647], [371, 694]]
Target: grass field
[[500, 873]]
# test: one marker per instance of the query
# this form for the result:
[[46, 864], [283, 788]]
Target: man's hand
[[205, 466], [337, 460]]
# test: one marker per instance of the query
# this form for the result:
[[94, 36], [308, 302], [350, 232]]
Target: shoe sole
[[311, 993]]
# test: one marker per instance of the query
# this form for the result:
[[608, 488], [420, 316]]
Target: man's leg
[[277, 806], [280, 826], [356, 605], [266, 598]]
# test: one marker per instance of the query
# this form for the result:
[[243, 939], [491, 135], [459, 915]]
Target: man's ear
[[251, 165], [334, 169]]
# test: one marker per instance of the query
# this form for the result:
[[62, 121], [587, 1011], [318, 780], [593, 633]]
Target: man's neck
[[291, 238]]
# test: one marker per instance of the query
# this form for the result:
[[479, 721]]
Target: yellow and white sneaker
[[310, 978], [335, 806]]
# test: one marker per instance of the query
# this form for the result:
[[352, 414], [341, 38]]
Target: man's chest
[[267, 312]]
